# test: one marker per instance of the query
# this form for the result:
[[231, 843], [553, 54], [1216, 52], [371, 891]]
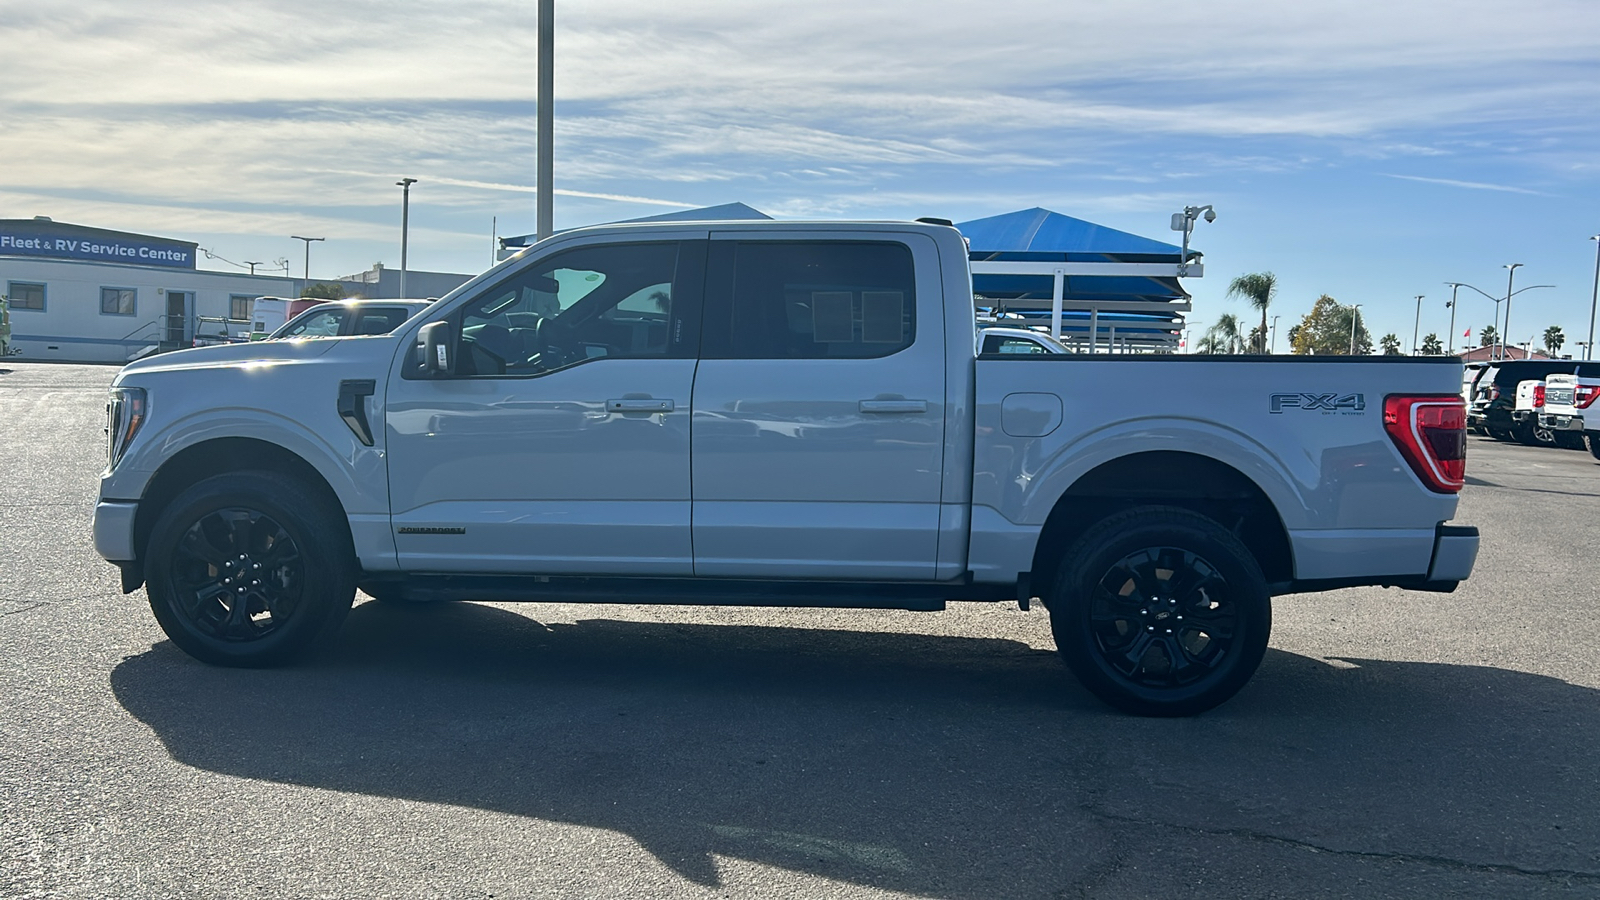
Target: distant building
[[80, 294], [383, 283], [1509, 351]]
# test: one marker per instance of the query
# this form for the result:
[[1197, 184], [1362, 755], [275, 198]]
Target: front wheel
[[249, 569], [1569, 440], [1160, 611], [1592, 438]]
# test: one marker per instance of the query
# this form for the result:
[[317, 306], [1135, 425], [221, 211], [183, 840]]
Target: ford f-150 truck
[[778, 414]]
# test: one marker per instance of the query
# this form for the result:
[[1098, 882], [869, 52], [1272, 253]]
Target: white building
[[82, 294]]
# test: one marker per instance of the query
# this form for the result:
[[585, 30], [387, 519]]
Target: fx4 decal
[[1326, 403]]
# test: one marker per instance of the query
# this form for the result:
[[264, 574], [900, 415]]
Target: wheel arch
[[217, 456], [1192, 481]]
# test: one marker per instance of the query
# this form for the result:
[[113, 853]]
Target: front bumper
[[1560, 422], [113, 530]]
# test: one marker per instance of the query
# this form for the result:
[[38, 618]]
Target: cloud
[[1474, 185]]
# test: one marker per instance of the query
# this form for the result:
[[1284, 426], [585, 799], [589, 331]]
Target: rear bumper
[[1560, 422], [1455, 550]]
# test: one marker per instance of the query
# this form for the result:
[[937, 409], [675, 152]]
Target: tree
[[1390, 344], [1431, 345], [324, 291], [1294, 332], [1224, 336], [1553, 339], [1260, 288], [1488, 337], [1325, 331], [1258, 340]]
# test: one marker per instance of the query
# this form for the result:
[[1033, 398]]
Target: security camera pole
[[1184, 222]]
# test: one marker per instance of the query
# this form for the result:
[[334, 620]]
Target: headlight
[[124, 415]]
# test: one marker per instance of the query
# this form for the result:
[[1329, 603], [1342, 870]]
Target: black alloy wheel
[[249, 569], [1160, 611]]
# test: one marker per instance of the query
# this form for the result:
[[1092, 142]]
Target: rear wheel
[[1569, 440], [1592, 438], [249, 569], [1160, 611], [1499, 434]]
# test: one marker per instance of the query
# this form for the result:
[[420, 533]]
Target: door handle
[[894, 406], [639, 406]]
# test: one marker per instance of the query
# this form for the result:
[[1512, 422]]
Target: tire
[[1569, 440], [1531, 435], [258, 524], [1499, 434], [1592, 438], [1107, 590]]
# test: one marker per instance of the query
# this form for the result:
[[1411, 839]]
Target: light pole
[[1594, 295], [1355, 316], [253, 265], [1416, 325], [405, 227], [1451, 305], [546, 116], [1511, 273], [1184, 222], [308, 241], [1274, 345]]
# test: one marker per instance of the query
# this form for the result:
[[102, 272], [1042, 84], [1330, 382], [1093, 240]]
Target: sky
[[1367, 149]]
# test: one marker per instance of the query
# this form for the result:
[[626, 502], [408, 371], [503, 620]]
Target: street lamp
[[1416, 325], [1355, 316], [405, 227], [1184, 222], [1274, 345], [1451, 305], [1511, 273], [253, 265], [545, 199], [1594, 295], [308, 241]]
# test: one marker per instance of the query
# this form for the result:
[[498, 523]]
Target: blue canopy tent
[[1099, 288]]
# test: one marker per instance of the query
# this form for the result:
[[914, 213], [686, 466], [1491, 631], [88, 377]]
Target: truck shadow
[[941, 766]]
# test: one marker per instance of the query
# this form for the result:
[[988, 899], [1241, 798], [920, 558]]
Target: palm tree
[[1225, 337], [1260, 288]]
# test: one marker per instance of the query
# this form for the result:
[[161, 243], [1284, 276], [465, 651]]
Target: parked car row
[[1537, 402]]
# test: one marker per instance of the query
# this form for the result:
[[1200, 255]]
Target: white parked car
[[1017, 340]]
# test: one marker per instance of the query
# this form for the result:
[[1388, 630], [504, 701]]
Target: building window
[[118, 301], [24, 295], [239, 306]]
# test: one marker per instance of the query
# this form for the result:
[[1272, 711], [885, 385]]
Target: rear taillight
[[1538, 396], [1585, 394], [1494, 392], [1431, 433]]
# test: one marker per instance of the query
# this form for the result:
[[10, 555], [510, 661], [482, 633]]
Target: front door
[[560, 445], [176, 330], [819, 409]]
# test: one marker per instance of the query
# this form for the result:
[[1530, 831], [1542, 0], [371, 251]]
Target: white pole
[[1055, 304], [546, 128]]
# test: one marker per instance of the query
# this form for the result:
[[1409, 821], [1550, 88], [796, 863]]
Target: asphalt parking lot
[[1393, 744]]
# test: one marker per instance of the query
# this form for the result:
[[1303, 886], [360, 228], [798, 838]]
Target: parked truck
[[775, 414]]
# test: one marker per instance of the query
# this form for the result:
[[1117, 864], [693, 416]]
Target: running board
[[921, 596]]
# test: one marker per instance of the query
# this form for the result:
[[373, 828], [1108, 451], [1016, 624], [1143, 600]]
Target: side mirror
[[437, 343]]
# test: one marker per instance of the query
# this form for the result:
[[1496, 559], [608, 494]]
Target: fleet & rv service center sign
[[53, 240]]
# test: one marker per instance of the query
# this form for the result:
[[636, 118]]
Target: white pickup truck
[[1569, 410], [774, 414]]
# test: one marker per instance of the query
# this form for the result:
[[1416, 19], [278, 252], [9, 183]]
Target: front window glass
[[318, 324], [608, 300]]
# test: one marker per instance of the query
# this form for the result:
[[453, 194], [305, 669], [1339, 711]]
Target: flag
[[1467, 333]]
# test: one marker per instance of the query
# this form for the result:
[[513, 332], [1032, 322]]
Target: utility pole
[[1355, 316], [546, 127], [405, 227], [1274, 345], [308, 241], [1454, 286], [1594, 295]]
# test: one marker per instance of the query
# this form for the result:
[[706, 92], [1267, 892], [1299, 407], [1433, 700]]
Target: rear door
[[818, 429]]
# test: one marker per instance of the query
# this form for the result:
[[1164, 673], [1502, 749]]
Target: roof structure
[[1099, 287]]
